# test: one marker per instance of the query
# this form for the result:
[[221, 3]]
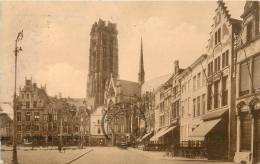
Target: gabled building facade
[[221, 86], [247, 51]]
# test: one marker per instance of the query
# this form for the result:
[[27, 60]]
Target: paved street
[[95, 155]]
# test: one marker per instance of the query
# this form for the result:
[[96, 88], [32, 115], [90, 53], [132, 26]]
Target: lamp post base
[[14, 159]]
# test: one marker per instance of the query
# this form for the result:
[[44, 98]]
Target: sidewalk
[[159, 155]]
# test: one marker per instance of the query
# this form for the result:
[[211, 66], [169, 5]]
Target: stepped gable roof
[[5, 118], [153, 84], [129, 88]]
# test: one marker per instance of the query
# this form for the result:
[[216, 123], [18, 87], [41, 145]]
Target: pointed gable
[[221, 30]]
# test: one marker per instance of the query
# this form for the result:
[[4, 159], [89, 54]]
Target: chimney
[[176, 66], [60, 95]]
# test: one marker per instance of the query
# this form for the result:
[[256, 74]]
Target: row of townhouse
[[50, 120], [216, 98]]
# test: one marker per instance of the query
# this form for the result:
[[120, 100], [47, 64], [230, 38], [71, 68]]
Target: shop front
[[248, 131], [98, 141], [213, 131]]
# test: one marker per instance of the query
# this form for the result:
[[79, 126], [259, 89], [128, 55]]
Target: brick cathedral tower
[[103, 59]]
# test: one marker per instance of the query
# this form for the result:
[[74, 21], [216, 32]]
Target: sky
[[56, 37]]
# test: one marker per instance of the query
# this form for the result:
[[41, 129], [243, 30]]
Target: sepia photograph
[[123, 82]]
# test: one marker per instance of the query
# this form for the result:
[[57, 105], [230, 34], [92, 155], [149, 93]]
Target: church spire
[[141, 66]]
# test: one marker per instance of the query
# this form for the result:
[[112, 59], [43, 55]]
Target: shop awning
[[139, 139], [204, 128], [147, 134], [215, 114], [161, 133]]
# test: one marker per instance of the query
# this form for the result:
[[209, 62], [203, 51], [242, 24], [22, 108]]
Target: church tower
[[141, 67], [103, 59]]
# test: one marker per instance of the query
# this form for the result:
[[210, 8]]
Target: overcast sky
[[56, 39]]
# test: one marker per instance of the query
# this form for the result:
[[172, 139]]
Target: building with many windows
[[193, 98], [220, 113], [247, 50]]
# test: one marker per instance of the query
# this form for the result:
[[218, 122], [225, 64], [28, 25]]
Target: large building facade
[[103, 59], [247, 50]]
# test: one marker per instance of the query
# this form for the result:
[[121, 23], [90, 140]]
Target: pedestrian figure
[[64, 149], [59, 148]]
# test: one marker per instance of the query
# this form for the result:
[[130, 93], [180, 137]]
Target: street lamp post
[[16, 50]]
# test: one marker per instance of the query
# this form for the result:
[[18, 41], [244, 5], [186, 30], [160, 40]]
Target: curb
[[78, 157], [179, 159]]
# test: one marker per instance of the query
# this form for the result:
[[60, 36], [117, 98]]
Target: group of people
[[61, 147]]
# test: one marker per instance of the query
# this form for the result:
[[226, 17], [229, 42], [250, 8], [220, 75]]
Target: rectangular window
[[194, 83], [122, 128], [199, 80], [244, 78], [50, 118], [249, 32], [224, 91], [36, 116], [189, 84], [203, 105], [45, 117], [182, 109], [28, 116], [203, 77], [217, 64], [55, 117], [28, 96], [27, 104], [210, 97], [217, 36], [116, 127], [77, 129], [99, 131], [19, 116], [210, 68], [37, 127], [188, 106], [225, 59], [256, 76], [19, 128], [216, 94], [35, 104], [22, 96], [198, 106], [194, 107], [28, 127]]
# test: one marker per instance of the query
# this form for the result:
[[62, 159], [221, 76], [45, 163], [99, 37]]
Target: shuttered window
[[256, 72], [246, 123], [244, 78]]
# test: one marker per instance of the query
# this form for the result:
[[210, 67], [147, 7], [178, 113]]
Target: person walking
[[59, 148], [64, 148]]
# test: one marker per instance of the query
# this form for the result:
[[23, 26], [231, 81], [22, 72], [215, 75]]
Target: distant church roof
[[129, 88], [155, 83]]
